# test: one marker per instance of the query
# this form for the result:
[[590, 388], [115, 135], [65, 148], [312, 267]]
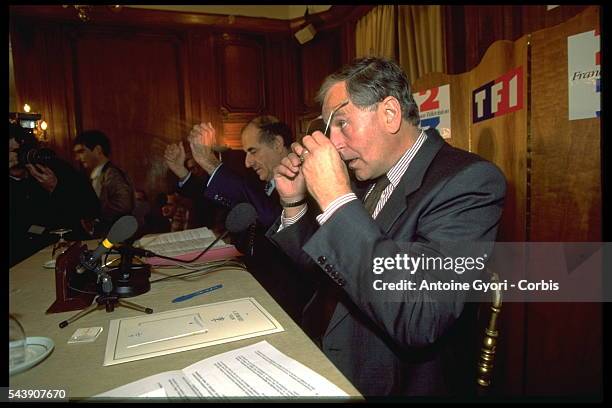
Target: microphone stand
[[106, 298]]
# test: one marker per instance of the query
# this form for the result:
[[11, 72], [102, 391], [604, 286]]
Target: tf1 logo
[[498, 97]]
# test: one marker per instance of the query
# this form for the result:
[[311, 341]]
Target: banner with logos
[[498, 97], [584, 76], [434, 109]]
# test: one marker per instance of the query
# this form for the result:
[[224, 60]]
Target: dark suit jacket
[[270, 266], [448, 203], [228, 189], [29, 204]]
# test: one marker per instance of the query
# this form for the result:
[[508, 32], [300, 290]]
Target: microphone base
[[131, 282]]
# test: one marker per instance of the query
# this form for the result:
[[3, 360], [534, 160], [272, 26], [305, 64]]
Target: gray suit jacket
[[395, 342]]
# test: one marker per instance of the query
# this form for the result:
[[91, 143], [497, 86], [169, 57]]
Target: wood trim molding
[[143, 17], [329, 19]]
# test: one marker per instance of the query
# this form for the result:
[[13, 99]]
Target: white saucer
[[37, 348], [49, 264]]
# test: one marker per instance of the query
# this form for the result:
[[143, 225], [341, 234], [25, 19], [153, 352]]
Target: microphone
[[121, 230], [240, 218]]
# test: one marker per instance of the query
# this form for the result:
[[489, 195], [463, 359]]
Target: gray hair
[[369, 81]]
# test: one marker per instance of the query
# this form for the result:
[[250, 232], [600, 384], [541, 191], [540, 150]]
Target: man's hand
[[202, 139], [174, 156], [44, 175], [290, 183], [324, 171]]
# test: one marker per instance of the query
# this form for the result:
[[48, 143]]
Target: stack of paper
[[258, 371]]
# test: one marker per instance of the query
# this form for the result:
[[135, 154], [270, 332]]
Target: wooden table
[[78, 369]]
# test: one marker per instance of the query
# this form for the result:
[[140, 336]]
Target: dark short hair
[[369, 81], [269, 127], [93, 138]]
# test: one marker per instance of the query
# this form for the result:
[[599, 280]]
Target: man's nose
[[336, 137], [248, 162]]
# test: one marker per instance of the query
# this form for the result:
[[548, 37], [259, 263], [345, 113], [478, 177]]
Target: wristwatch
[[294, 204]]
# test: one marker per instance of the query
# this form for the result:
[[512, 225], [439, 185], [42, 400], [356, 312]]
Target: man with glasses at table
[[386, 190]]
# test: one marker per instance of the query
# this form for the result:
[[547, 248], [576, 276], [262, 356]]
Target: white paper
[[180, 242], [145, 336], [255, 371]]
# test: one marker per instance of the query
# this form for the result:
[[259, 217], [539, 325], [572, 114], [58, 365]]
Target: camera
[[36, 155], [21, 127]]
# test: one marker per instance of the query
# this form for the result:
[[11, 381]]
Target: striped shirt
[[394, 174]]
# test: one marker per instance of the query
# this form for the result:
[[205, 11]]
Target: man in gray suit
[[422, 199]]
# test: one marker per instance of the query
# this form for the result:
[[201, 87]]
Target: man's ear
[[97, 150], [278, 143], [390, 112]]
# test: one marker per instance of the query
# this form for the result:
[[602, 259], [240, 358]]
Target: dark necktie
[[372, 199], [320, 312]]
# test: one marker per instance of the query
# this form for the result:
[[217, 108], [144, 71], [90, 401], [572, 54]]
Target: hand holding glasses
[[319, 124]]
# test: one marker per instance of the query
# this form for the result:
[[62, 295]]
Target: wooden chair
[[489, 345]]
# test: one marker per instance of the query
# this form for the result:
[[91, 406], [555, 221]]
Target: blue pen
[[194, 294]]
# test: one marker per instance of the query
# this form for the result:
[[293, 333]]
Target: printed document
[[158, 334], [179, 242], [255, 371]]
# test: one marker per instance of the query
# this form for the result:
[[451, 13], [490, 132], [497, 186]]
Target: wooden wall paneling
[[566, 186], [202, 63], [319, 58], [40, 80], [470, 30], [132, 17], [129, 85], [565, 342], [280, 59], [241, 69], [241, 82], [503, 139]]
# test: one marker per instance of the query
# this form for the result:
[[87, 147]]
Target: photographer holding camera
[[45, 193]]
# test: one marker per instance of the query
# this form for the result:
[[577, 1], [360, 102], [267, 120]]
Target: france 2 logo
[[498, 97], [434, 109]]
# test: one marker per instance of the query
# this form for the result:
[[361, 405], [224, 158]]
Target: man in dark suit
[[266, 142], [43, 196], [425, 200], [111, 184]]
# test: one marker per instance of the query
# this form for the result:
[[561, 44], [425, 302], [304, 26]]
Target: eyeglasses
[[319, 124]]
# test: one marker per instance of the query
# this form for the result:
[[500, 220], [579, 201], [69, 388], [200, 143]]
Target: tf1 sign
[[498, 97]]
